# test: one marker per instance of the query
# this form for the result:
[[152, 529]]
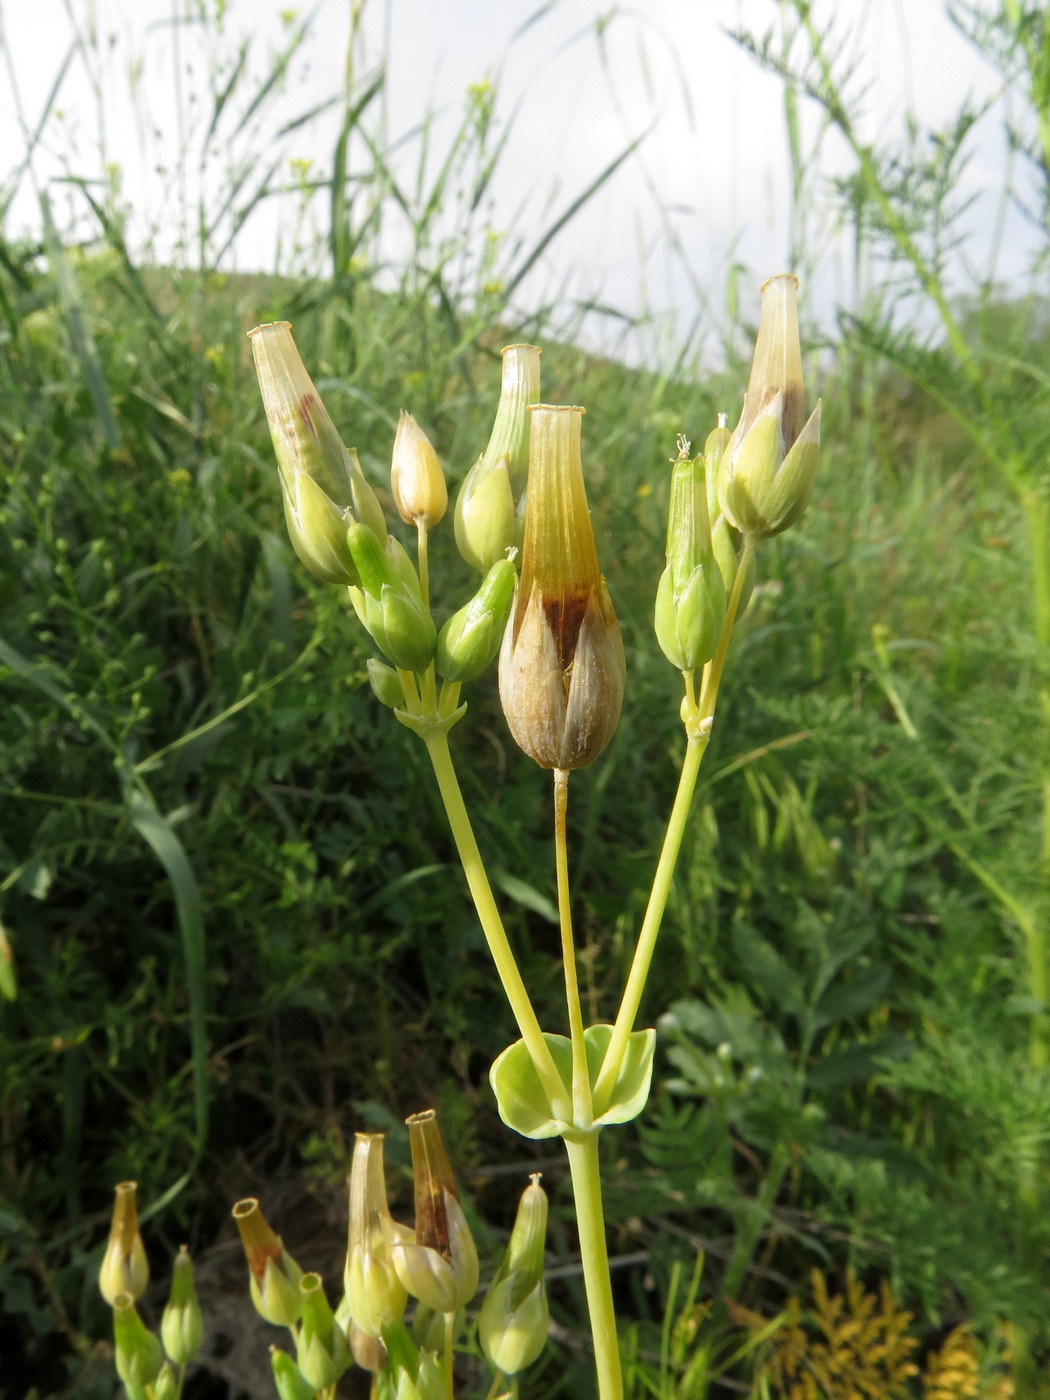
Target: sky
[[572, 84]]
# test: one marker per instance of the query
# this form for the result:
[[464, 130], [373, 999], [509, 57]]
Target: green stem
[[450, 1322], [647, 936], [581, 1083], [698, 730], [587, 1194], [424, 561], [750, 1230], [1037, 516], [492, 926]]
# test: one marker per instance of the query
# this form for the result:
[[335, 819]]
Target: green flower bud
[[766, 474], [321, 482], [514, 1318], [714, 451], [390, 609], [416, 479], [182, 1326], [273, 1275], [125, 1268], [137, 1351], [428, 1328], [470, 639], [486, 519], [385, 685], [288, 1378], [322, 1353], [165, 1387], [690, 598]]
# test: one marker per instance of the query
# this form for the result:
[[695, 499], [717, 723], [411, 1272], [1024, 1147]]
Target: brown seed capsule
[[562, 668]]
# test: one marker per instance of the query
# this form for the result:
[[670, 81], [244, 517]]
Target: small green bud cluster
[[149, 1366], [338, 530], [743, 488]]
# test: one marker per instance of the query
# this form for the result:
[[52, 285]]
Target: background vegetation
[[236, 928]]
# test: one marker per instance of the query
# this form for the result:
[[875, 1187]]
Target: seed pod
[[561, 668], [125, 1268]]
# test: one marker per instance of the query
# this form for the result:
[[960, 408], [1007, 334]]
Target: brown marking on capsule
[[565, 613], [258, 1258], [304, 407]]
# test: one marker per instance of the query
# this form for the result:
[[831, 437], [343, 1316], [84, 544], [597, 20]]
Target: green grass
[[237, 923]]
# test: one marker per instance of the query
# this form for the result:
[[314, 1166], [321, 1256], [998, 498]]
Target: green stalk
[[698, 730], [581, 1083], [590, 1220], [492, 925], [749, 1231], [1037, 517]]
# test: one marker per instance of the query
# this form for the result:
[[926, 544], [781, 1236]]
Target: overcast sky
[[576, 81]]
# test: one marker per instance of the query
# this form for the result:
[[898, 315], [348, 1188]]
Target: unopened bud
[[390, 608], [561, 666], [385, 684], [416, 479], [321, 1349], [514, 1318], [125, 1268], [165, 1387], [182, 1326], [137, 1351], [766, 474], [321, 482], [690, 598], [273, 1275], [486, 519], [441, 1267], [288, 1379], [470, 639]]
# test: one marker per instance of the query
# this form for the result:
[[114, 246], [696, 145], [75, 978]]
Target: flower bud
[[182, 1325], [321, 1349], [416, 479], [486, 522], [273, 1275], [441, 1267], [288, 1379], [389, 607], [385, 685], [374, 1294], [165, 1387], [320, 480], [125, 1268], [766, 474], [470, 639], [561, 666], [514, 1317], [690, 598], [137, 1351]]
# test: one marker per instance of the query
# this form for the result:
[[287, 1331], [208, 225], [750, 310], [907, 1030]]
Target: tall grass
[[219, 881]]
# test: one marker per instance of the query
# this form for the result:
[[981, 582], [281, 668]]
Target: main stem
[[492, 926], [581, 1083], [590, 1221]]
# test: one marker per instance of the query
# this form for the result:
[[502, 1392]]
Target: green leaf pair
[[523, 1104]]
